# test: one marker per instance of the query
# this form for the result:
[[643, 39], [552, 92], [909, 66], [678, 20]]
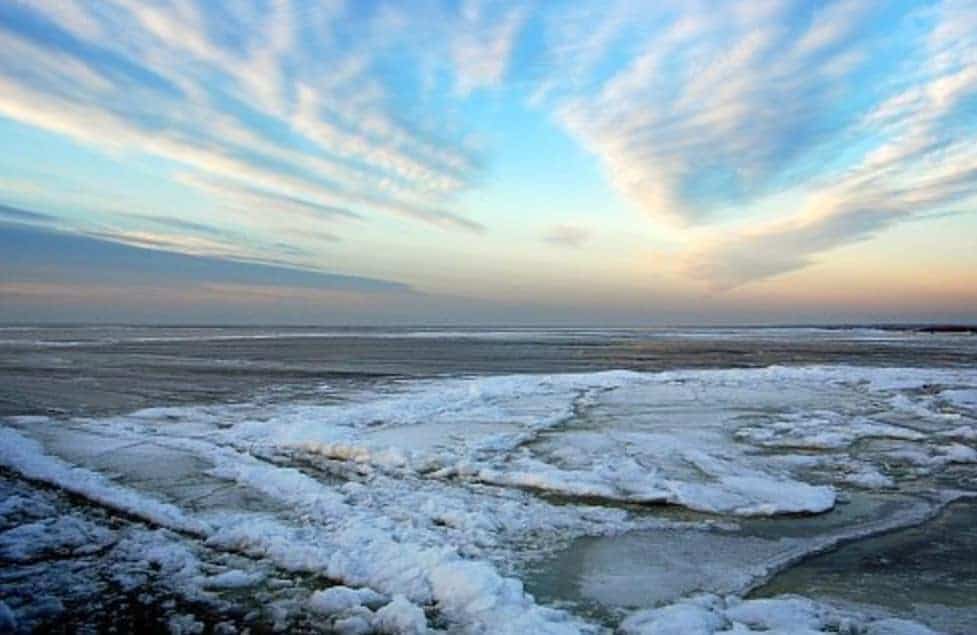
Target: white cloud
[[714, 100], [161, 85], [779, 247], [483, 43], [728, 106]]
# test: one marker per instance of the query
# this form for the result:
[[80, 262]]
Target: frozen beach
[[488, 481]]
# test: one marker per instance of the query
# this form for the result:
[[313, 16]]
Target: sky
[[369, 162]]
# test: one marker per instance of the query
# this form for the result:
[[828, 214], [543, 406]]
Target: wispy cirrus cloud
[[287, 102], [716, 103], [782, 246], [483, 45], [8, 213], [723, 108], [924, 163], [35, 255]]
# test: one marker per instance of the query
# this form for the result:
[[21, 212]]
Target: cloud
[[719, 110], [483, 44], [37, 255], [179, 224], [8, 213], [783, 246], [716, 103], [258, 112], [259, 205], [902, 181], [567, 236]]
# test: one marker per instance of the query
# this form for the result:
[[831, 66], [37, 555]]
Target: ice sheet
[[425, 492]]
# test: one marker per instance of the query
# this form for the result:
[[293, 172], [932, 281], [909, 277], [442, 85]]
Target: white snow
[[424, 494], [352, 611], [486, 429], [869, 478], [673, 443], [786, 614], [400, 617], [821, 430], [353, 625], [961, 398], [685, 618], [341, 598], [963, 433], [27, 457], [783, 615], [358, 548], [50, 537], [749, 493]]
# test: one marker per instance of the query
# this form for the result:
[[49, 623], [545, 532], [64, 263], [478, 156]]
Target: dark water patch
[[932, 565], [604, 576]]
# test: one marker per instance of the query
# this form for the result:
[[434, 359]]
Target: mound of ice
[[357, 546], [825, 430], [51, 537], [491, 430], [339, 599], [687, 438], [784, 615], [27, 457], [356, 611], [401, 617], [747, 493]]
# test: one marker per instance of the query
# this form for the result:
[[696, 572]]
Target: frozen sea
[[433, 480]]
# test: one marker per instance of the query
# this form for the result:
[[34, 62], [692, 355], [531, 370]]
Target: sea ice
[[784, 615], [401, 617], [339, 599], [413, 496], [27, 457], [50, 537], [961, 398]]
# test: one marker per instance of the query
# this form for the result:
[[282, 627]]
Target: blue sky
[[621, 162]]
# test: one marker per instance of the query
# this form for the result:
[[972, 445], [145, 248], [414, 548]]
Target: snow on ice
[[423, 497]]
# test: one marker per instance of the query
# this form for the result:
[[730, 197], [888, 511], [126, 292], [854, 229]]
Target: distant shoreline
[[949, 328], [919, 327]]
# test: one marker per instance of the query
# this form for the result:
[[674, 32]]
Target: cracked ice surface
[[426, 493]]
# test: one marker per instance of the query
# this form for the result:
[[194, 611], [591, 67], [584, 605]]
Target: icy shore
[[418, 504]]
